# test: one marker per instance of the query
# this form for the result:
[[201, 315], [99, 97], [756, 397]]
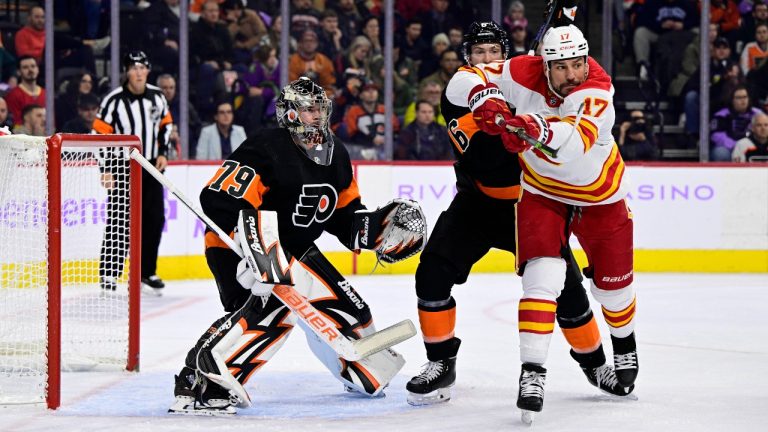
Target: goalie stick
[[348, 349]]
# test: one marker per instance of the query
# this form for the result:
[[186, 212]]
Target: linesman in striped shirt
[[134, 108]]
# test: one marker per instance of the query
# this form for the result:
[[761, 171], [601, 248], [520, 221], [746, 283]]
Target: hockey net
[[68, 236]]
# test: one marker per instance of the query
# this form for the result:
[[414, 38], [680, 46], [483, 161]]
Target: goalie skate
[[196, 396], [530, 398], [433, 384]]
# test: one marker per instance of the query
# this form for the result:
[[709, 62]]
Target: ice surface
[[702, 347]]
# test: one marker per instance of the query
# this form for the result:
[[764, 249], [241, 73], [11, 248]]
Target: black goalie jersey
[[483, 163], [268, 172]]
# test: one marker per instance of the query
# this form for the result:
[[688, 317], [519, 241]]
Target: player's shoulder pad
[[528, 71]]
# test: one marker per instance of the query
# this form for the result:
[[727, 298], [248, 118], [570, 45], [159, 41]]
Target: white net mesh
[[94, 271]]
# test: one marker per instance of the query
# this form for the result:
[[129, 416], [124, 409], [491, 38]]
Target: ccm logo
[[303, 308]]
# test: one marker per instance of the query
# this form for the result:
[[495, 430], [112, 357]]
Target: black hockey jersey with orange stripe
[[269, 172], [482, 158]]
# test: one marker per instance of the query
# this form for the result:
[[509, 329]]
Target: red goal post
[[70, 237]]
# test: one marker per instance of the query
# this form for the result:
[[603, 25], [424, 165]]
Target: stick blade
[[383, 339]]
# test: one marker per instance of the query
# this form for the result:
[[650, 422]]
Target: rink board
[[687, 217]]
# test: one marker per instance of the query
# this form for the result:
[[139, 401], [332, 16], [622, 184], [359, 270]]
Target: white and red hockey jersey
[[588, 169]]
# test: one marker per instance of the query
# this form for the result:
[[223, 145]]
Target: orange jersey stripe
[[437, 326], [167, 119], [465, 128], [100, 126], [349, 194], [508, 192], [213, 240]]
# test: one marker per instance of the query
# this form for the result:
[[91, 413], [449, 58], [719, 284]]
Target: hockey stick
[[520, 132], [543, 29], [324, 328]]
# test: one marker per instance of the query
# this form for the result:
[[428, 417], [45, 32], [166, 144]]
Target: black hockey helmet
[[135, 57], [484, 32], [313, 139]]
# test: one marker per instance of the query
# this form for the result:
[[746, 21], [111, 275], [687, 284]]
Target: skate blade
[[431, 398], [203, 412], [527, 417], [611, 396], [154, 292]]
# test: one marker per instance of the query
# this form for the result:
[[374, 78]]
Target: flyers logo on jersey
[[316, 204]]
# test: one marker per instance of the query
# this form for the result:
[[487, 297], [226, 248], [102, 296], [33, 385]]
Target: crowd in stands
[[664, 37], [234, 67]]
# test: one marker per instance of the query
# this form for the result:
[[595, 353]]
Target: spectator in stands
[[754, 146], [412, 45], [755, 52], [409, 9], [32, 121], [749, 21], [167, 84], [725, 13], [656, 18], [423, 139], [515, 17], [718, 69], [403, 79], [365, 125], [690, 64], [636, 139], [7, 67], [246, 28], [347, 97], [350, 19], [518, 38], [5, 119], [449, 64], [303, 17], [211, 54], [220, 139], [431, 62], [332, 39], [87, 108], [372, 30], [308, 62], [161, 30], [70, 51], [429, 91], [66, 104], [731, 124], [263, 78], [455, 38], [437, 20], [272, 38], [357, 60], [28, 92]]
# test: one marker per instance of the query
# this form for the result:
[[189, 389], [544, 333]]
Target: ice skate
[[152, 285], [196, 396], [530, 398], [433, 384], [625, 359], [604, 378]]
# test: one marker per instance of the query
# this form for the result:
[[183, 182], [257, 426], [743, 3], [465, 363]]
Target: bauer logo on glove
[[395, 232]]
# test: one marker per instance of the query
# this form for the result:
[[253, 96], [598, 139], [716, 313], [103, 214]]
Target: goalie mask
[[304, 109], [482, 33]]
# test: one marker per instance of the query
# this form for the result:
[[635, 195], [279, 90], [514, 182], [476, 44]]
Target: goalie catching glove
[[264, 262], [395, 232]]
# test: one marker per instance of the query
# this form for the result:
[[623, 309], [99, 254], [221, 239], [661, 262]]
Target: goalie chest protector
[[269, 172]]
